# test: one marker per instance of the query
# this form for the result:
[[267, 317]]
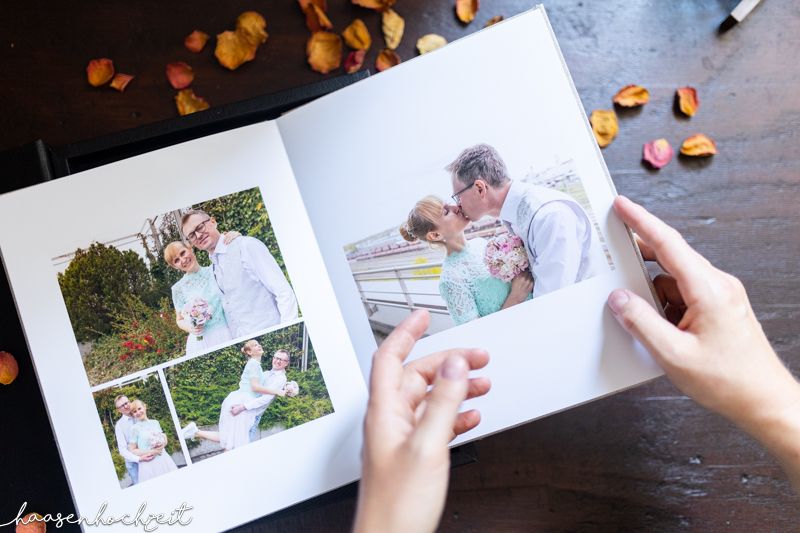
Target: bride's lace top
[[200, 284], [466, 285]]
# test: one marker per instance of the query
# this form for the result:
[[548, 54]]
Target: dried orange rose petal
[[387, 59], [322, 4], [604, 126], [430, 42], [378, 5], [466, 9], [324, 51], [180, 75], [252, 26], [195, 41], [233, 50], [393, 26], [657, 153], [31, 523], [316, 19], [99, 71], [354, 61], [121, 81], [632, 96], [494, 20], [188, 102], [9, 369], [698, 145], [356, 35], [687, 100]]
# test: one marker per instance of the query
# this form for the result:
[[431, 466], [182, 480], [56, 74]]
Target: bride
[[146, 436], [197, 299], [234, 429], [465, 284]]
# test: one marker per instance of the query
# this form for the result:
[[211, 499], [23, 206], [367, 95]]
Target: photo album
[[202, 317]]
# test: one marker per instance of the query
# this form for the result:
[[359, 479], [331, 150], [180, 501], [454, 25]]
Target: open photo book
[[202, 317]]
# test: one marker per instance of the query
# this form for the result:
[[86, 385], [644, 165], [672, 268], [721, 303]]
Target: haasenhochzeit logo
[[149, 522]]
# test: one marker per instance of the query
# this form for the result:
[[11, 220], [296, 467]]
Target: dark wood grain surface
[[646, 459]]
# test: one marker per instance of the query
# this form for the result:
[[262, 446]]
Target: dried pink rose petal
[[657, 153], [354, 61], [180, 75]]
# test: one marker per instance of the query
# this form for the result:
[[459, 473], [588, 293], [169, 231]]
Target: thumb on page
[[449, 390], [643, 322]]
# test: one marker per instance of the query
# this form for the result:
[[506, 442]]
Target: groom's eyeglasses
[[193, 235], [456, 195], [279, 359]]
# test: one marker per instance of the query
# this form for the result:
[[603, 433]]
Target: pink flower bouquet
[[292, 389], [199, 314], [505, 256]]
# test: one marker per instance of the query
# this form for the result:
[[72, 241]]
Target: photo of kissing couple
[[495, 243], [174, 284]]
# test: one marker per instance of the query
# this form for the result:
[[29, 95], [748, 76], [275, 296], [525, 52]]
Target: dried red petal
[[195, 41], [187, 102], [632, 96], [387, 59], [466, 9], [316, 19], [121, 81], [9, 369], [180, 75], [687, 100], [698, 145], [31, 523], [322, 4], [354, 61], [657, 153], [99, 71]]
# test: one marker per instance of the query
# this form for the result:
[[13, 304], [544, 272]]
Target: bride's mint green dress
[[466, 285], [201, 284]]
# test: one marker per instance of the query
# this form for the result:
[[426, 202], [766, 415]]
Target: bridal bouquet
[[292, 389], [157, 439], [198, 314], [505, 256]]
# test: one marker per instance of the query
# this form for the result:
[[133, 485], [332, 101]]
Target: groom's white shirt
[[562, 248], [273, 379], [255, 293], [122, 430]]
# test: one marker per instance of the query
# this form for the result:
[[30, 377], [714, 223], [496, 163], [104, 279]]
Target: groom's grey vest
[[536, 197]]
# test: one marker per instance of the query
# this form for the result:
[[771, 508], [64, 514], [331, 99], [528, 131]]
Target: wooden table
[[645, 459]]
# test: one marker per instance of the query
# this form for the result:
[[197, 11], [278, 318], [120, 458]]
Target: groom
[[562, 248], [255, 293], [274, 379], [122, 431]]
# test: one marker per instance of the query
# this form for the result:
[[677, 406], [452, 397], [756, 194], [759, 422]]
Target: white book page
[[103, 204], [364, 155]]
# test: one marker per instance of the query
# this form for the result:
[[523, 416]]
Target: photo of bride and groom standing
[[500, 242], [180, 283]]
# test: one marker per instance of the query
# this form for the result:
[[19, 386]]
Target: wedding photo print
[[139, 431], [248, 391], [496, 241], [172, 284]]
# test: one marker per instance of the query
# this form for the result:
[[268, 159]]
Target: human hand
[[522, 286], [145, 458], [236, 409], [228, 236], [406, 460], [718, 353], [196, 330]]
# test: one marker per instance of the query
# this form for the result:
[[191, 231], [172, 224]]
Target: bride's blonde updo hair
[[421, 220]]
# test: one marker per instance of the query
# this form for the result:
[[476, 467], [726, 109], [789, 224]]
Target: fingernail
[[454, 367], [617, 300]]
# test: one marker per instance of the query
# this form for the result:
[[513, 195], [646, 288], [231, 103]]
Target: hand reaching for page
[[406, 461], [718, 353]]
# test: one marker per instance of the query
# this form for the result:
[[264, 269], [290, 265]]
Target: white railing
[[403, 297]]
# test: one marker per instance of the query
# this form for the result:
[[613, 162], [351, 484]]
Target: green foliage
[[152, 394], [141, 337], [93, 286], [200, 385]]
